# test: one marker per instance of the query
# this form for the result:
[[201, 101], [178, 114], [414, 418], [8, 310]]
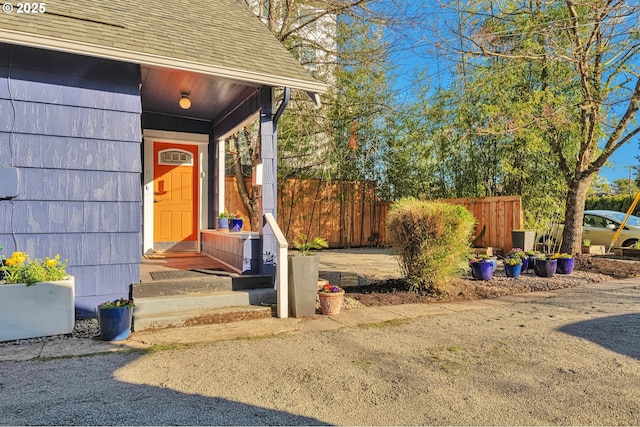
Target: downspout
[[285, 101]]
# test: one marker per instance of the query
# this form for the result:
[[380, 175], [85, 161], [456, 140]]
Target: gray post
[[268, 150]]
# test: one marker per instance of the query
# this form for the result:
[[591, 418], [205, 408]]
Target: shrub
[[431, 240]]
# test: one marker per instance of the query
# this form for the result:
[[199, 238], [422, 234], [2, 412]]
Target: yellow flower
[[9, 261], [50, 262], [19, 257]]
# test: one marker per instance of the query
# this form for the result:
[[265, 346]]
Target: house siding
[[71, 126]]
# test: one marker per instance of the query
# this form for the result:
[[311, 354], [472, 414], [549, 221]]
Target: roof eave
[[106, 52]]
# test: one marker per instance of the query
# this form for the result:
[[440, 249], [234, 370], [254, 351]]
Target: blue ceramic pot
[[565, 265], [482, 270], [513, 270], [115, 323], [525, 264], [223, 224], [235, 224]]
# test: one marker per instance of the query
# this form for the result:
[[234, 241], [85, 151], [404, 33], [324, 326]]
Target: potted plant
[[37, 298], [303, 276], [545, 267], [115, 319], [519, 253], [586, 246], [513, 266], [223, 221], [566, 262], [482, 267], [235, 223], [532, 257], [331, 297]]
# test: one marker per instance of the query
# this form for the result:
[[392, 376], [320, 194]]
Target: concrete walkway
[[273, 326]]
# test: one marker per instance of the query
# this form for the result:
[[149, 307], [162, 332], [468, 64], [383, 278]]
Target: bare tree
[[307, 136]]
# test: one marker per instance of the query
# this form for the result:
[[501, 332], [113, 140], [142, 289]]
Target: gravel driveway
[[572, 359]]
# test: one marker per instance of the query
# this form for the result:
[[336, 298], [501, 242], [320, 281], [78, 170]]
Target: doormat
[[183, 274]]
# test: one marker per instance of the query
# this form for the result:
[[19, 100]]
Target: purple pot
[[545, 267], [565, 265]]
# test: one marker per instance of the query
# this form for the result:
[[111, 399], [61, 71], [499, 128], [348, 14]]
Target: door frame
[[149, 137]]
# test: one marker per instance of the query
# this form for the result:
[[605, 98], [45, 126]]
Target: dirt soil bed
[[394, 291]]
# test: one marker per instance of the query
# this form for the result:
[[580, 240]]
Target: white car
[[600, 226]]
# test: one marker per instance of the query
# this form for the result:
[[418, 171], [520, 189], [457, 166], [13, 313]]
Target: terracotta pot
[[331, 302]]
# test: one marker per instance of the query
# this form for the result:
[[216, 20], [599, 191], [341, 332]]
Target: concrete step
[[203, 301], [196, 300], [204, 284], [199, 317]]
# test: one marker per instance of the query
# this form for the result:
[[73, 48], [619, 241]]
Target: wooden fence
[[349, 214], [496, 217]]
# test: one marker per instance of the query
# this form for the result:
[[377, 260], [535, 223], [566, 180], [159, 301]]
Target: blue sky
[[621, 159], [413, 54]]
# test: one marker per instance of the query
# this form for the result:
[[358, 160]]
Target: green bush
[[431, 240], [618, 203]]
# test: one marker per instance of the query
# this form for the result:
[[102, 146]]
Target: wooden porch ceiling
[[210, 96]]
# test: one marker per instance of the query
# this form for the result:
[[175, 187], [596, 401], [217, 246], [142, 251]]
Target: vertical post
[[220, 168], [268, 154]]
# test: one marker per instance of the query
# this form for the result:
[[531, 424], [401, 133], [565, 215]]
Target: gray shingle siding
[[71, 125]]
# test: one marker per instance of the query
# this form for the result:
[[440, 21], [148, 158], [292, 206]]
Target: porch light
[[185, 102]]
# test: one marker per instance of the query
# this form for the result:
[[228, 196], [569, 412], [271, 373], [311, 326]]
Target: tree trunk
[[574, 213], [250, 199]]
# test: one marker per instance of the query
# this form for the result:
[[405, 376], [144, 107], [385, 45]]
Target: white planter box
[[44, 309]]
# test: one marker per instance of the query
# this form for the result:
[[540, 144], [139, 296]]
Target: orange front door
[[175, 189]]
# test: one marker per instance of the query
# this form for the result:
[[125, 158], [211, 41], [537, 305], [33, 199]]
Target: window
[[175, 157], [264, 8]]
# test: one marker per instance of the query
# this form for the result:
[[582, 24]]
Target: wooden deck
[[176, 261]]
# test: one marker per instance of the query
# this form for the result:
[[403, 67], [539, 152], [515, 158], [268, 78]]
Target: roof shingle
[[216, 37]]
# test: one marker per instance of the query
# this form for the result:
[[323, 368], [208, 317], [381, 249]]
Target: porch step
[[200, 317], [190, 285], [201, 300]]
